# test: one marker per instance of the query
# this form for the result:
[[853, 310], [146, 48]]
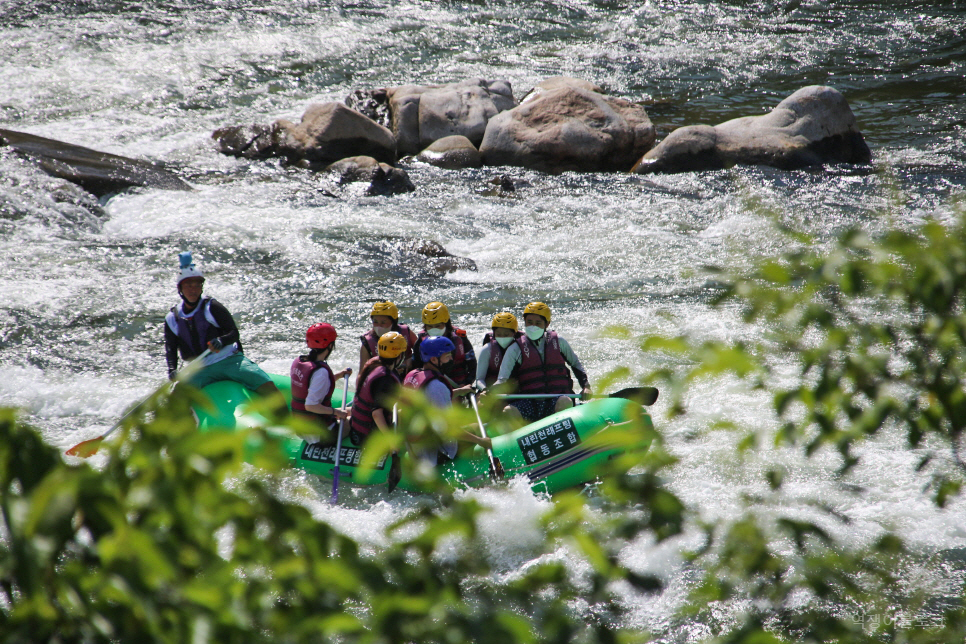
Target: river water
[[84, 285]]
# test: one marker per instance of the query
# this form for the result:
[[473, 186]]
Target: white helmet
[[188, 268]]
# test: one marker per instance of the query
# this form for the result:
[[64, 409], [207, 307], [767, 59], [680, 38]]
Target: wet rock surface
[[423, 114], [383, 179], [567, 127], [452, 153], [563, 124], [812, 127], [434, 257], [326, 133], [99, 173]]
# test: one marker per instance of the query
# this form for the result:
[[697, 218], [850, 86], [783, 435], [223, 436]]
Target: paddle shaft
[[526, 396], [494, 472], [338, 440], [644, 395], [73, 451]]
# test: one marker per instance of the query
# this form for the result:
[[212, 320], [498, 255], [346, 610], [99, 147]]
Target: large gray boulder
[[422, 115], [813, 126], [404, 113], [327, 132], [99, 173], [452, 153], [331, 131], [566, 125], [462, 109]]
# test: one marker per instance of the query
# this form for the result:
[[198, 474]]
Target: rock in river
[[422, 115], [327, 132], [383, 179], [452, 152], [97, 172], [813, 126], [564, 125]]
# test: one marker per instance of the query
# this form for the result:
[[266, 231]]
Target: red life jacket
[[420, 379], [496, 356], [364, 403], [371, 341], [301, 375], [546, 376], [461, 369]]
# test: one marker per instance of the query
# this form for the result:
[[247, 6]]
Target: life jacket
[[420, 379], [301, 375], [365, 403], [371, 341], [496, 356], [195, 330], [542, 376], [461, 369]]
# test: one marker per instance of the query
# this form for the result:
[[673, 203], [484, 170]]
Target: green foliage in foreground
[[175, 540], [876, 331]]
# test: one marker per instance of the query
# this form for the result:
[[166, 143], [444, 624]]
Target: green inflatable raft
[[561, 451]]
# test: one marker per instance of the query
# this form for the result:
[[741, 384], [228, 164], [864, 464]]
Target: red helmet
[[320, 336]]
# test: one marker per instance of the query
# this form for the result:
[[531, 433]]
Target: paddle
[[496, 467], [338, 440], [643, 395], [91, 445], [395, 466]]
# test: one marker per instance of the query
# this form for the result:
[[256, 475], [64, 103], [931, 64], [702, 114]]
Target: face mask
[[446, 367], [534, 333], [380, 330], [433, 331], [504, 342]]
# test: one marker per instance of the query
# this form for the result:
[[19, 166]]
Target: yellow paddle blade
[[87, 448]]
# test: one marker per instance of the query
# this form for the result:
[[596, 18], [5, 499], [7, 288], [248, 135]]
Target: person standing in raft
[[538, 361], [313, 380], [202, 322], [503, 332], [385, 318], [436, 324], [433, 380], [376, 389]]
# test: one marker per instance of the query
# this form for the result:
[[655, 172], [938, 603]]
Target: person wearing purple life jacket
[[376, 389], [200, 323], [503, 332], [538, 361], [313, 380], [385, 318], [434, 381], [437, 323]]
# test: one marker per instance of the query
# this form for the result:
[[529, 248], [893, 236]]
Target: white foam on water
[[510, 524]]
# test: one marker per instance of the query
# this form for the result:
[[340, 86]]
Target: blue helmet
[[434, 347]]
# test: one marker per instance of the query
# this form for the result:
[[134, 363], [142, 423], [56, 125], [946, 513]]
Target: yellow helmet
[[505, 320], [385, 308], [538, 308], [435, 313], [391, 344]]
